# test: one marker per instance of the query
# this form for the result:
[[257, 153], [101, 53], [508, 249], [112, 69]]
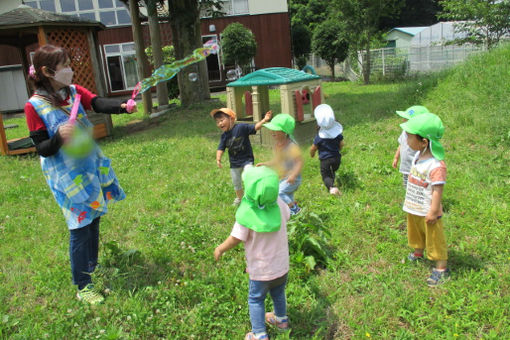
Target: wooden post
[[140, 53], [25, 63], [157, 52], [41, 36]]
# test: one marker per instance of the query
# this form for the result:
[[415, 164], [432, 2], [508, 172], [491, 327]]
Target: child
[[236, 137], [329, 141], [82, 187], [287, 158], [403, 152], [261, 223], [424, 192]]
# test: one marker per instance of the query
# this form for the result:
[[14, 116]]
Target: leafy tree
[[413, 13], [238, 45], [329, 43], [362, 19], [301, 43], [309, 13], [483, 21]]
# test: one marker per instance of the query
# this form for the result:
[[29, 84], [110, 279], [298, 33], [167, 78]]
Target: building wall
[[267, 6], [272, 33], [7, 5], [402, 40]]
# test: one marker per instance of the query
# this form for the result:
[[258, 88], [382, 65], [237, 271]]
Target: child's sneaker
[[414, 258], [438, 277], [294, 210], [280, 325], [251, 336], [334, 191], [90, 296], [236, 202]]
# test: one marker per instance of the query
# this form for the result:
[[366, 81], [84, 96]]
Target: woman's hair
[[49, 56]]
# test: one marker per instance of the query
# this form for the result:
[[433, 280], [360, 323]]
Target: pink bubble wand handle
[[74, 109], [130, 105]]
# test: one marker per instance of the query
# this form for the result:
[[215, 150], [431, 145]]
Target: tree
[[330, 44], [301, 43], [362, 19], [483, 21], [184, 18], [413, 13], [238, 45], [309, 13]]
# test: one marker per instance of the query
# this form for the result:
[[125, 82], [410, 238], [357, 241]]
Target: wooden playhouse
[[300, 93]]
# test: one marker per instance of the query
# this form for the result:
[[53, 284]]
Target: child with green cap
[[424, 192], [261, 223], [403, 152], [287, 160]]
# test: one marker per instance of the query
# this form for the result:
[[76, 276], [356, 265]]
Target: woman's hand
[[66, 131], [124, 106]]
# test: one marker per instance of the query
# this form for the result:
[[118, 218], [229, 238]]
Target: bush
[[238, 45]]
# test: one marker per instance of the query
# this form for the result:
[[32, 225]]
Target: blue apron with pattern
[[82, 187]]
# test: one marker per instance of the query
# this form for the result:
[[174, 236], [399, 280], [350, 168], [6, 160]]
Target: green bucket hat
[[282, 122], [259, 209], [413, 111], [429, 126]]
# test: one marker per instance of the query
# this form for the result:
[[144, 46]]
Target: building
[[268, 20], [400, 37]]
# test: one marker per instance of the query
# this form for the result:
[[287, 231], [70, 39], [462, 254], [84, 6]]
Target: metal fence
[[402, 61]]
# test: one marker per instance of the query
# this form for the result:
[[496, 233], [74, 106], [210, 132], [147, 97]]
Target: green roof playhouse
[[300, 93]]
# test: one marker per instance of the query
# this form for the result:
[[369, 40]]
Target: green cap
[[282, 122], [429, 126], [259, 209], [413, 111]]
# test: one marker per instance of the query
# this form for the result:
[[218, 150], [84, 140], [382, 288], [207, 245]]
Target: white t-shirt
[[406, 154], [267, 254], [423, 176]]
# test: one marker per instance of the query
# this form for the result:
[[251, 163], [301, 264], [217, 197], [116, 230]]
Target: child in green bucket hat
[[424, 192], [404, 153], [261, 223], [287, 159]]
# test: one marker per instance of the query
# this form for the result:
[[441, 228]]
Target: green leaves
[[238, 45], [308, 239]]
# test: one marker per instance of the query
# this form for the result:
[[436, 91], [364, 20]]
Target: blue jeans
[[286, 190], [256, 297], [83, 251]]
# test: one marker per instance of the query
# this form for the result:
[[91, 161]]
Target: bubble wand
[[74, 109], [130, 105]]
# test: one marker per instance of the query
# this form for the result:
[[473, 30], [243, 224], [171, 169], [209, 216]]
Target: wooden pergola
[[24, 26]]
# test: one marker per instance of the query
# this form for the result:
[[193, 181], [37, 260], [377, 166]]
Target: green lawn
[[156, 246]]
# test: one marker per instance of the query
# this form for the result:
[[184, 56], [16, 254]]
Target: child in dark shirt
[[329, 141], [236, 138]]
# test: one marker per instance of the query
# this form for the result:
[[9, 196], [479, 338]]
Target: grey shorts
[[236, 174]]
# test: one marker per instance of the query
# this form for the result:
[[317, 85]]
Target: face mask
[[64, 76]]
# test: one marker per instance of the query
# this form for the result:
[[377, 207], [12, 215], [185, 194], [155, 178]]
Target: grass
[[156, 246]]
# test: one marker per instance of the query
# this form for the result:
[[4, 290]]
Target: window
[[231, 7], [109, 12], [240, 7], [47, 5], [213, 60], [121, 66]]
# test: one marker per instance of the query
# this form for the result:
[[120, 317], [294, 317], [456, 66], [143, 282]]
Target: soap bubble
[[193, 77]]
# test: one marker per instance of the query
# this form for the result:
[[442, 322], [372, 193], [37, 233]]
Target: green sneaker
[[90, 296]]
